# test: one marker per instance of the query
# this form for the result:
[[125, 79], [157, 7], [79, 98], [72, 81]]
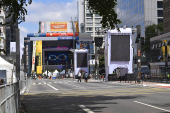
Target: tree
[[151, 31], [101, 64], [16, 9], [104, 8]]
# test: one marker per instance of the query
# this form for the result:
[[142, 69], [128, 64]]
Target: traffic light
[[166, 65], [95, 64], [98, 41], [138, 38], [142, 41]]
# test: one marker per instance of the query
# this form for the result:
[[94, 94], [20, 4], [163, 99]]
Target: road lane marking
[[152, 106], [86, 109], [52, 87], [55, 82], [33, 83], [50, 83], [39, 83], [45, 83]]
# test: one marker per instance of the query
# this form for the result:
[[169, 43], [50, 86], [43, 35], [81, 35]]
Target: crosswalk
[[64, 82]]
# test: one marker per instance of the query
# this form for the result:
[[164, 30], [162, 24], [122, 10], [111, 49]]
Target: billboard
[[39, 53], [120, 47], [58, 26]]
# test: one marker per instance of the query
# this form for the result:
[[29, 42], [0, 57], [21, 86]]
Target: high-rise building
[[139, 12], [2, 30], [166, 13], [10, 34], [89, 23]]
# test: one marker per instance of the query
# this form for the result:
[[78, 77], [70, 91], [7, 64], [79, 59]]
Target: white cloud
[[54, 11]]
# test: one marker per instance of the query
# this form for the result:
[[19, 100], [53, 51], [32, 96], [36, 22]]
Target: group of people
[[85, 76]]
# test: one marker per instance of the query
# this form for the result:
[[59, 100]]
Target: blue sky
[[47, 10]]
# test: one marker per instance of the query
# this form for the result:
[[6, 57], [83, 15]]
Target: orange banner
[[58, 26], [60, 34]]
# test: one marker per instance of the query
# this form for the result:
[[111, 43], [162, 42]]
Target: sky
[[46, 10]]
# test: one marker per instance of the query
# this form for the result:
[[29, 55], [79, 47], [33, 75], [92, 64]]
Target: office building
[[166, 13], [10, 34]]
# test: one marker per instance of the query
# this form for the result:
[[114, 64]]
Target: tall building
[[10, 34], [2, 30], [139, 12], [89, 23], [166, 6]]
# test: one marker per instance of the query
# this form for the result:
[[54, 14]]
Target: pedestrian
[[86, 77], [2, 82], [79, 77]]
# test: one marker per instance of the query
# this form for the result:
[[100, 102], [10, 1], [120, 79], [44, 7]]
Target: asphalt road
[[70, 96]]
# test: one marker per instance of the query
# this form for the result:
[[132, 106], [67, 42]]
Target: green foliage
[[101, 61], [16, 9], [151, 31], [106, 9]]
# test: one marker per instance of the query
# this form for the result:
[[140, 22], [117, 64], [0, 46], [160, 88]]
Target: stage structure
[[81, 61], [118, 50], [55, 40]]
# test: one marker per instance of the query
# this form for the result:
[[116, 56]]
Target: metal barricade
[[9, 98]]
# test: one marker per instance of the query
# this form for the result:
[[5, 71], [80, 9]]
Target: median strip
[[152, 106]]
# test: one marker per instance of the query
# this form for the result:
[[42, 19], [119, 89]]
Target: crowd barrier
[[9, 98]]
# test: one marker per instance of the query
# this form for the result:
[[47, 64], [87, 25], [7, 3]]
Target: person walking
[[86, 77], [79, 77]]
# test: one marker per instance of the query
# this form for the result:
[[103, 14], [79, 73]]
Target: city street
[[70, 96]]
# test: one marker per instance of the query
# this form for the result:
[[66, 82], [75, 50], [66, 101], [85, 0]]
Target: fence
[[9, 98]]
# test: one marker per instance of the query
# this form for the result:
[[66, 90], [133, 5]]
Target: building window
[[97, 15], [160, 13], [98, 24], [89, 29], [89, 19], [159, 4], [89, 24], [89, 15], [98, 19], [160, 21]]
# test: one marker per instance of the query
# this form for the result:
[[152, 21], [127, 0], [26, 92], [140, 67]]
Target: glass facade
[[131, 13]]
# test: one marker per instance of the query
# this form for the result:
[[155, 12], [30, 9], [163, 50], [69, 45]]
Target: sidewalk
[[148, 84], [145, 84]]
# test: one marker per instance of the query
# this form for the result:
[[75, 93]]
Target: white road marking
[[50, 83], [52, 87], [163, 84], [55, 82], [152, 106], [45, 83], [33, 83], [39, 83], [86, 109]]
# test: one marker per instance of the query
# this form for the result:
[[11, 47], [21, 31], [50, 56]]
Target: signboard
[[33, 55], [39, 53], [58, 26]]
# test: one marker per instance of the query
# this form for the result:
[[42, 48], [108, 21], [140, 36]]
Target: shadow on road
[[57, 103]]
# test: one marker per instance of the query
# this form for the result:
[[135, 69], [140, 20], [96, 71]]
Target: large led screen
[[120, 48], [57, 58], [58, 43], [81, 59]]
